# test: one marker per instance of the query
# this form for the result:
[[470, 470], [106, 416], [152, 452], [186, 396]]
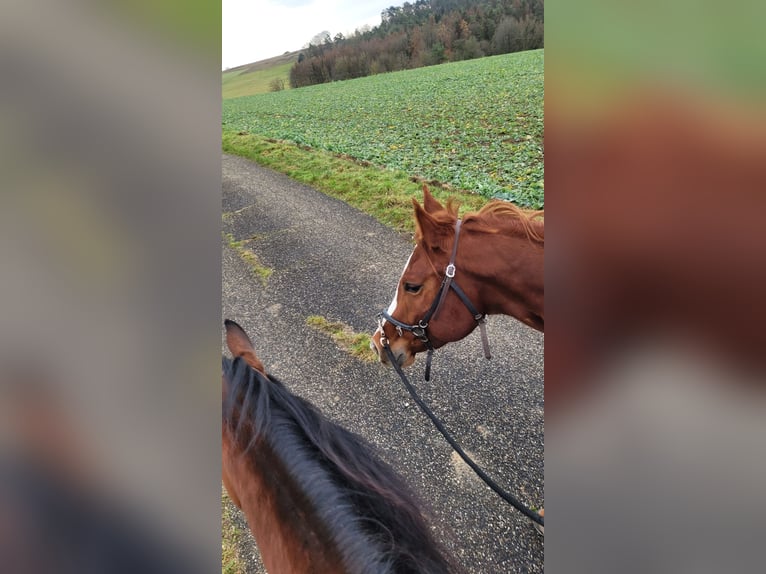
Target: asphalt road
[[330, 259]]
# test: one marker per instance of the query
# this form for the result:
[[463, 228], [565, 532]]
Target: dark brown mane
[[369, 512]]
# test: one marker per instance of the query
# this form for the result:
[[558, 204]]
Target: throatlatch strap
[[484, 337], [480, 318]]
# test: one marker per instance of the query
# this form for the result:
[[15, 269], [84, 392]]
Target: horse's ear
[[240, 345], [429, 203], [430, 233]]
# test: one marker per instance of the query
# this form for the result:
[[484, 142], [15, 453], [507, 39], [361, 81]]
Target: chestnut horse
[[316, 496], [496, 258]]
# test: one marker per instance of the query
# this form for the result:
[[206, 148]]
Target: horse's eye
[[411, 288]]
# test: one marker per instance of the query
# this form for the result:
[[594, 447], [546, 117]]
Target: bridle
[[419, 330]]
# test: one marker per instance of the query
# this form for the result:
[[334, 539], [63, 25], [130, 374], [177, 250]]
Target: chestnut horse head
[[316, 496], [490, 262]]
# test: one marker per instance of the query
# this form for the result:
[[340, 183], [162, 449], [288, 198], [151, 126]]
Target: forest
[[423, 33]]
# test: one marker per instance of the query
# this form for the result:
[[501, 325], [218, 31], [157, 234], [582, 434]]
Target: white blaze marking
[[392, 306]]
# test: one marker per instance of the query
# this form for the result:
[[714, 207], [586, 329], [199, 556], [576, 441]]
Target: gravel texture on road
[[329, 259]]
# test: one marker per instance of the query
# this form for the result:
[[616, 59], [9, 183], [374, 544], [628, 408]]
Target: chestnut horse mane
[[368, 512], [495, 217]]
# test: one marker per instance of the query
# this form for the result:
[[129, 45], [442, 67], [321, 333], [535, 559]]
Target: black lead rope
[[509, 498]]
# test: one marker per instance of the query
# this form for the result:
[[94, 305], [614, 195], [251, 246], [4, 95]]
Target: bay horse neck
[[501, 259], [316, 496]]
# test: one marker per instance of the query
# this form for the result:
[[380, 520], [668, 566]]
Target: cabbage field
[[476, 125]]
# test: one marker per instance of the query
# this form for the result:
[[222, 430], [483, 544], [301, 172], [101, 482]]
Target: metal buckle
[[450, 272], [383, 338], [420, 333]]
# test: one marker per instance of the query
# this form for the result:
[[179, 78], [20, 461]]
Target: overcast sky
[[254, 30]]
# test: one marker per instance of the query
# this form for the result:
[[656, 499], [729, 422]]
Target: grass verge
[[384, 194], [230, 539], [355, 344], [261, 271]]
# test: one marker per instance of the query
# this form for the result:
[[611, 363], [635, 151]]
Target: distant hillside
[[286, 58], [257, 77], [424, 33], [421, 33]]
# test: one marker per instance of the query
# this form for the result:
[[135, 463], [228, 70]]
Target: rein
[[419, 329], [509, 498]]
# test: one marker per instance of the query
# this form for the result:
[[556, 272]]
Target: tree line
[[423, 33]]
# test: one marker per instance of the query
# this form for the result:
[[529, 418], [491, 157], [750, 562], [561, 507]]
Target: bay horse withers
[[317, 497], [496, 256]]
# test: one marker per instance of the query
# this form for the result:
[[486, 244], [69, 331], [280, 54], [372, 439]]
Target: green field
[[475, 125]]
